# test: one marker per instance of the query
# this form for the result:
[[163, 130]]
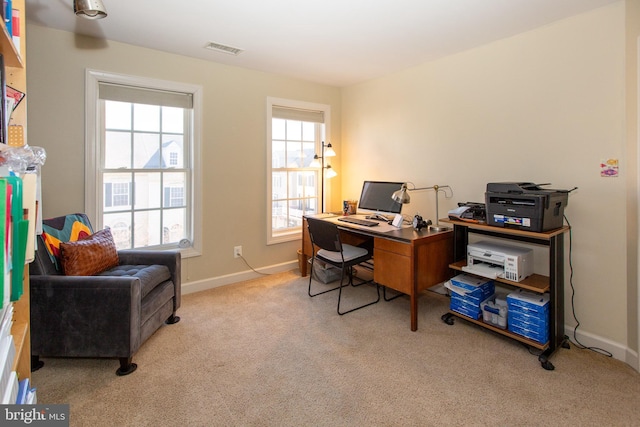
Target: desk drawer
[[392, 270], [393, 246]]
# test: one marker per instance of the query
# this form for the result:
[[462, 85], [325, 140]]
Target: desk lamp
[[90, 9], [327, 151], [402, 196]]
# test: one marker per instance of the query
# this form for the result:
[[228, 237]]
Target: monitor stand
[[377, 216]]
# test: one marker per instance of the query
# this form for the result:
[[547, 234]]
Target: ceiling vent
[[223, 48]]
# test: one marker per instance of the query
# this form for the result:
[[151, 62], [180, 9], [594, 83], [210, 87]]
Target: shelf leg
[[544, 357]]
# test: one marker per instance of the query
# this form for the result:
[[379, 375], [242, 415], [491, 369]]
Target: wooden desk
[[405, 260]]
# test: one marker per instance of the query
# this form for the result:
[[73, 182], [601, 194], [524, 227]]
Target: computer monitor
[[376, 197]]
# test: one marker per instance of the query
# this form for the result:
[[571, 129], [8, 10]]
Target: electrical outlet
[[237, 251]]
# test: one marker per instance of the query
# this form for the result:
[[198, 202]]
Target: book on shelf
[[5, 214], [23, 388], [11, 392], [15, 133], [15, 96], [29, 182], [15, 29], [6, 321], [3, 108], [7, 356], [8, 8], [18, 232], [26, 394]]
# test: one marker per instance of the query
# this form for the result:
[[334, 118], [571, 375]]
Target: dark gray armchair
[[108, 315]]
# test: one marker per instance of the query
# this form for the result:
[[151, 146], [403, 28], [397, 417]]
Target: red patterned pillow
[[91, 255]]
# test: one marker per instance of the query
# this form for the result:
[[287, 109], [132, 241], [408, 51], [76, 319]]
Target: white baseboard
[[617, 350], [214, 282]]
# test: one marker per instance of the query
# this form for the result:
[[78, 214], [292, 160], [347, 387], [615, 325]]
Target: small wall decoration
[[609, 168]]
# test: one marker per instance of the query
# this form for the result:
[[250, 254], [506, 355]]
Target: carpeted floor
[[262, 353]]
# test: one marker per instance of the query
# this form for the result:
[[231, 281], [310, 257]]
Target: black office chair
[[326, 236]]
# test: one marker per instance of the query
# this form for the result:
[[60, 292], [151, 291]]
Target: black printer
[[525, 206]]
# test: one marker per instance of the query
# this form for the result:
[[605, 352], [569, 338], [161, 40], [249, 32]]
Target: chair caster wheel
[[546, 364], [448, 319]]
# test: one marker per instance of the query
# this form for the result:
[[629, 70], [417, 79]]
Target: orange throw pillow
[[91, 255]]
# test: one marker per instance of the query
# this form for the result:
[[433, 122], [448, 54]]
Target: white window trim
[[271, 102], [92, 154]]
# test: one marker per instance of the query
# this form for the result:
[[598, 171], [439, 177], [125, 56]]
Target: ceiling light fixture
[[90, 9]]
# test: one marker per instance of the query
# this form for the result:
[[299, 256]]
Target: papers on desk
[[382, 227]]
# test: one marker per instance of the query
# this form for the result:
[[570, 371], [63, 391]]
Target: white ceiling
[[334, 42]]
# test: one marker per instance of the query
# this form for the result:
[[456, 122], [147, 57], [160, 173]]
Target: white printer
[[494, 260]]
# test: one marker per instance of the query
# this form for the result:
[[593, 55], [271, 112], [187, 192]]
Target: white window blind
[[287, 113], [121, 93]]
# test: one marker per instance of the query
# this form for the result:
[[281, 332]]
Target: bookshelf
[[16, 76]]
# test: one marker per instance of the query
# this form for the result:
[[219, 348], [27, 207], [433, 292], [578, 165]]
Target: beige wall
[[544, 106], [233, 137]]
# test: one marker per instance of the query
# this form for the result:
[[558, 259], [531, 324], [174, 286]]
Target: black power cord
[[575, 341]]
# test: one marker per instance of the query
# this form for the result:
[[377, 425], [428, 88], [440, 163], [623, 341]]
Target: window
[[174, 196], [173, 159], [142, 174], [117, 194], [295, 133]]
